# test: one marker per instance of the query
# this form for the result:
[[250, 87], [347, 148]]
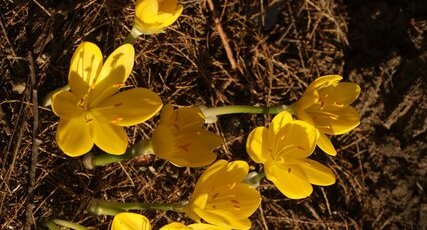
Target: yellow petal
[[146, 11], [168, 6], [233, 172], [194, 149], [257, 145], [175, 226], [64, 105], [225, 219], [290, 180], [129, 107], [170, 18], [85, 66], [348, 119], [110, 138], [163, 142], [324, 81], [280, 121], [130, 221], [188, 119], [296, 140], [222, 172], [73, 136], [114, 73], [326, 145], [206, 227], [317, 173], [167, 115], [343, 93]]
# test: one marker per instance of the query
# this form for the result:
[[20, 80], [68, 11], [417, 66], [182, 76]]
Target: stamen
[[116, 119], [118, 104], [184, 147], [118, 85]]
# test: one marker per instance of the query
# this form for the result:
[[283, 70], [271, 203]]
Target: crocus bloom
[[130, 221], [94, 111], [326, 105], [221, 198], [199, 226], [180, 139], [152, 16], [283, 148]]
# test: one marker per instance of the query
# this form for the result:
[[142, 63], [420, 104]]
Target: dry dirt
[[280, 47]]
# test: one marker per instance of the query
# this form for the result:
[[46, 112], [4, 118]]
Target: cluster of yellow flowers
[[95, 111]]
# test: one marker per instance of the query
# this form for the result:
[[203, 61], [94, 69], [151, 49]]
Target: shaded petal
[[129, 107], [326, 145], [64, 105], [296, 140], [239, 201], [324, 81], [163, 142], [290, 180], [317, 173], [130, 221], [257, 145], [114, 73], [348, 119], [168, 6], [341, 94], [85, 66], [169, 19], [194, 149], [73, 136], [110, 138]]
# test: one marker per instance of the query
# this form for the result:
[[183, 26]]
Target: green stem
[[53, 224], [254, 178], [101, 207], [132, 36], [211, 113], [139, 149]]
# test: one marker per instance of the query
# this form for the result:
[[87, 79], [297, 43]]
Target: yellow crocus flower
[[180, 139], [326, 105], [94, 111], [130, 221], [152, 16], [199, 226], [221, 198], [283, 148]]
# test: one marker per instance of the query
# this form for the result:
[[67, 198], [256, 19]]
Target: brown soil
[[280, 47]]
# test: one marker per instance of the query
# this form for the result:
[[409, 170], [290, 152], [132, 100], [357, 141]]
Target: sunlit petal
[[129, 107], [326, 145], [85, 66], [317, 173], [108, 137], [290, 180], [296, 140], [146, 10], [130, 221], [257, 145], [73, 136], [114, 73], [324, 81]]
